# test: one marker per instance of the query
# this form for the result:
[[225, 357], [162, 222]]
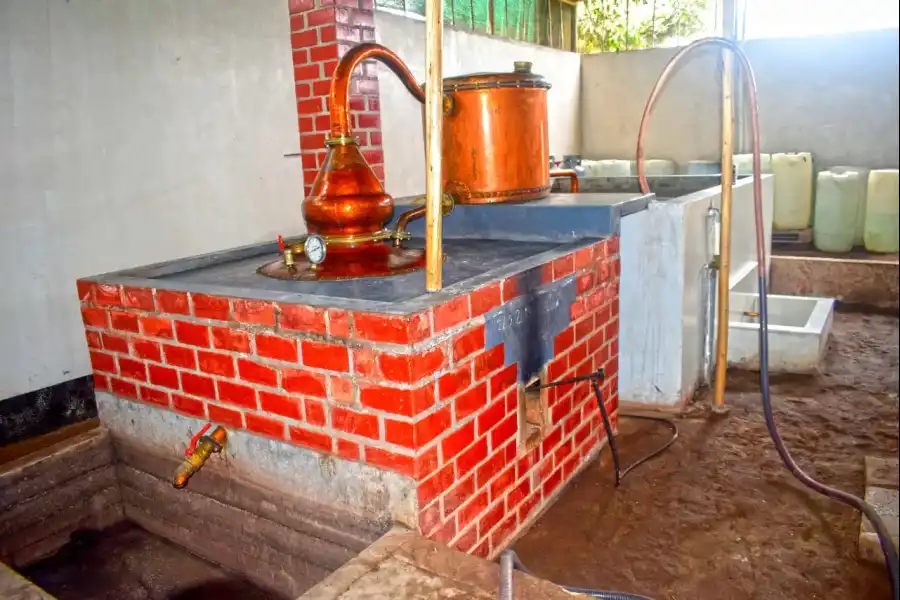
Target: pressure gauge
[[314, 248]]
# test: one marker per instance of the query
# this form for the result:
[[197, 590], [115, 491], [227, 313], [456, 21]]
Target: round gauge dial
[[314, 248]]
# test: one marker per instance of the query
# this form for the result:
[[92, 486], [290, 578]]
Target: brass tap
[[197, 455]]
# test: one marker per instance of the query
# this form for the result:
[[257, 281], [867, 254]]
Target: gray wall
[[834, 96], [132, 131]]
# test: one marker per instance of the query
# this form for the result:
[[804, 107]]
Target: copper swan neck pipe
[[340, 83]]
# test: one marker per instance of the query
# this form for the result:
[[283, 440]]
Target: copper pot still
[[496, 140]]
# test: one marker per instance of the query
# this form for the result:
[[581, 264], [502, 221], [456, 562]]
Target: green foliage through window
[[616, 25], [546, 22]]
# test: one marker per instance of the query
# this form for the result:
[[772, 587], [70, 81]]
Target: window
[[545, 22], [794, 18]]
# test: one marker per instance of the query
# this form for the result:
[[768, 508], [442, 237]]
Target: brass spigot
[[198, 452]]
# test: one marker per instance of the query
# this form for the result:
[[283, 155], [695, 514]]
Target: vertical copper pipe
[[340, 82], [434, 88]]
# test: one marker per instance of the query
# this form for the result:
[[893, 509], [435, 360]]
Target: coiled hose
[[887, 546]]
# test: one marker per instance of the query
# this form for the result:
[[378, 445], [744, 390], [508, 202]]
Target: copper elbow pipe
[[404, 220], [448, 203], [340, 83], [206, 447], [570, 173]]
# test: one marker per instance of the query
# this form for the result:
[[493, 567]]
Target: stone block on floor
[[886, 503], [403, 565], [882, 472]]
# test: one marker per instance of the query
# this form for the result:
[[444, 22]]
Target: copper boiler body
[[496, 140]]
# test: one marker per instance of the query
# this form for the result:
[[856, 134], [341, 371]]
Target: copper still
[[495, 149], [496, 140]]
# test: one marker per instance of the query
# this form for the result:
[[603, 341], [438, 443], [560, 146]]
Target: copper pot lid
[[520, 77]]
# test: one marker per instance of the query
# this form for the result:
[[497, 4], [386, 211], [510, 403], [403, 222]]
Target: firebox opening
[[532, 412]]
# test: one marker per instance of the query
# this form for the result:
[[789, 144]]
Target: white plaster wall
[[463, 52], [835, 96], [664, 252], [132, 131]]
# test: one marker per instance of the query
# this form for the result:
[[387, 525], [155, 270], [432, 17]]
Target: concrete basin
[[798, 332]]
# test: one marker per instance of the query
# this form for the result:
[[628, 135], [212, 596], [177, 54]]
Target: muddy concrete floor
[[718, 517], [126, 562]]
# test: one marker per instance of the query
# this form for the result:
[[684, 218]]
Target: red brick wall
[[483, 488], [418, 395], [321, 33]]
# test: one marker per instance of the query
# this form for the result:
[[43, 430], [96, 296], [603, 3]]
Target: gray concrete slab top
[[403, 565]]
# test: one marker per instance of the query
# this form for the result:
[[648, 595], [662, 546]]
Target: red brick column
[[322, 31]]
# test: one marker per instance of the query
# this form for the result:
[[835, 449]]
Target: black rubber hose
[[600, 375], [670, 424], [884, 536], [603, 594], [887, 546]]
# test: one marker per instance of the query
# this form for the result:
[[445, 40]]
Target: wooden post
[[724, 291], [434, 93]]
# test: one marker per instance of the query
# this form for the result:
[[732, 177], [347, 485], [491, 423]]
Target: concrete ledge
[[873, 283], [403, 565], [15, 587], [48, 494]]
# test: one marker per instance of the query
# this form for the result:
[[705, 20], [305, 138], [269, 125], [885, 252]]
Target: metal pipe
[[340, 83], [571, 174], [506, 574], [709, 294], [434, 88]]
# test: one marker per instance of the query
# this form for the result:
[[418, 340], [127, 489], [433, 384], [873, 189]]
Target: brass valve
[[198, 452]]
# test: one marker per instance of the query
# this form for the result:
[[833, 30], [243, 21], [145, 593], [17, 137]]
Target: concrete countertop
[[482, 244], [469, 264]]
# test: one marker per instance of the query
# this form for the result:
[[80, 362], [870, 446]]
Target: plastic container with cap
[[654, 167], [861, 185], [882, 232], [793, 191], [608, 168], [704, 167], [836, 211], [743, 164]]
